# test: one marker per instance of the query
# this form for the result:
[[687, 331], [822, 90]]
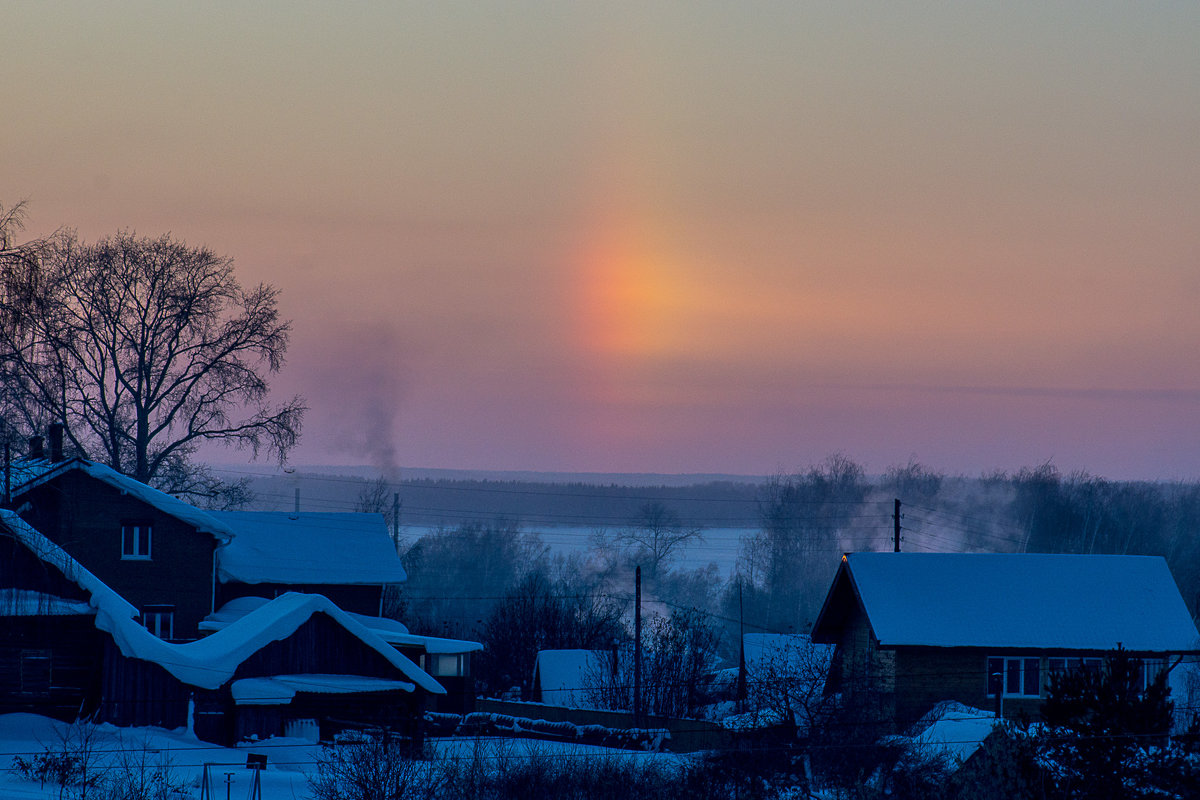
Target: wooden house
[[178, 564], [154, 550], [191, 572], [987, 630], [49, 642], [446, 660], [298, 663], [70, 646]]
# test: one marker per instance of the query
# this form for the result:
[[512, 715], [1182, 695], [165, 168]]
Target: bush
[[376, 769]]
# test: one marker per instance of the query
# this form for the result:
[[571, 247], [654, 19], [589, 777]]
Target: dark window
[[159, 620], [35, 672], [135, 541], [1016, 677], [1033, 677]]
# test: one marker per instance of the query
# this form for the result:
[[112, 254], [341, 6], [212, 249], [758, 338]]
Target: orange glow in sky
[[641, 237]]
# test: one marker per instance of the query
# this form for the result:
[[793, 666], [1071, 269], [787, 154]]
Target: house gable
[[93, 519]]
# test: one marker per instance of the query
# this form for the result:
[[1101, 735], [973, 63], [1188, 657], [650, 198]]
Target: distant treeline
[[450, 503]]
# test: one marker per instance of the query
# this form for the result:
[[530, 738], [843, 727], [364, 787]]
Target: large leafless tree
[[657, 536], [143, 348]]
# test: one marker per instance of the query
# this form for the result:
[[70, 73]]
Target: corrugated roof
[[307, 548], [1079, 602]]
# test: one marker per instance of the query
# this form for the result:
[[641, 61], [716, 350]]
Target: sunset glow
[[636, 238]]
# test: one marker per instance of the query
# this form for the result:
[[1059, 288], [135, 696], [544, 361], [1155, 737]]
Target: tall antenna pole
[[896, 520]]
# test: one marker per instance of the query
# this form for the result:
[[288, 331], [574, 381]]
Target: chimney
[[56, 442], [36, 449]]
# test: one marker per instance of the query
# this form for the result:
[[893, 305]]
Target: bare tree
[[377, 497], [786, 682], [20, 279], [656, 536], [144, 348]]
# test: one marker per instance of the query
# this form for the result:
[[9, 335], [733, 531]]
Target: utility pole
[[396, 519], [637, 647], [896, 520], [741, 678]]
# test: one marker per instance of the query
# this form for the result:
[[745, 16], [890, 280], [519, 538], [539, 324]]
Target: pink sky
[[650, 237]]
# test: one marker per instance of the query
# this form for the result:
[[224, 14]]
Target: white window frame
[[1015, 669], [136, 537]]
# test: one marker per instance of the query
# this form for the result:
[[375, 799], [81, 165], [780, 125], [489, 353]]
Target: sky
[[662, 237]]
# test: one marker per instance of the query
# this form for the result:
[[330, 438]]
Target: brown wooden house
[[296, 662], [191, 572], [49, 643], [70, 647], [155, 550], [987, 630]]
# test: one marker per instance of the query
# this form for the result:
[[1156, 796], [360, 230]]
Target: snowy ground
[[720, 546], [289, 761]]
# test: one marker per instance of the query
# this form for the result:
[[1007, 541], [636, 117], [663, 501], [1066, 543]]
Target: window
[[1017, 676], [445, 666], [34, 672], [135, 541], [159, 620], [1150, 668]]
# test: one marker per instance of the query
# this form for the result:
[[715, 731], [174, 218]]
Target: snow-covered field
[[719, 546], [290, 762]]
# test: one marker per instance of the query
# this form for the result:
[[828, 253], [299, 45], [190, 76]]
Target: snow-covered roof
[[211, 661], [102, 598], [307, 548], [1075, 602], [203, 521], [391, 631], [280, 689], [563, 676]]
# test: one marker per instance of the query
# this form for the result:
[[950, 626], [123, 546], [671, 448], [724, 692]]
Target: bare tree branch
[[142, 347]]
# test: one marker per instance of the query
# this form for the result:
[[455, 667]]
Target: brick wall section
[[925, 676], [84, 517]]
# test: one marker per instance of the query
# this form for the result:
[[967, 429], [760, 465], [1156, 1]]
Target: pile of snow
[[952, 731]]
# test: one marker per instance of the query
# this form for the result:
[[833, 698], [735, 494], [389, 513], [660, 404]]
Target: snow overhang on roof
[[1012, 601], [210, 662], [103, 600], [309, 548], [391, 631], [202, 521]]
